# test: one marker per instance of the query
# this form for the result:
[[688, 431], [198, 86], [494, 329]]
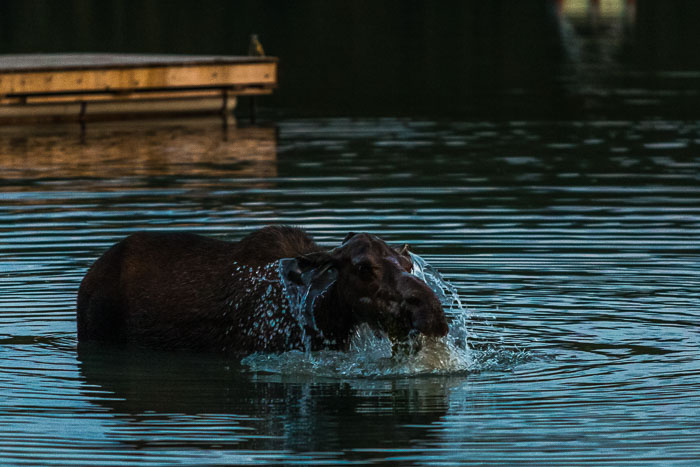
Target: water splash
[[269, 312], [372, 354], [262, 315], [302, 298], [457, 314]]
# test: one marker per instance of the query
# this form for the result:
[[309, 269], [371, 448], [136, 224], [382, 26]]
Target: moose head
[[368, 281]]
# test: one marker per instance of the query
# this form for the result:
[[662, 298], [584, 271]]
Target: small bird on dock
[[255, 48]]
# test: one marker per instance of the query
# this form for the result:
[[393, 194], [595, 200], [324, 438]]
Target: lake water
[[575, 248]]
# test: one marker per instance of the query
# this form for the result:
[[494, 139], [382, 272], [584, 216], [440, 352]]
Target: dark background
[[467, 58]]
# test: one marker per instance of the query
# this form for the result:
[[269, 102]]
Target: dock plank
[[49, 74], [87, 61], [28, 80]]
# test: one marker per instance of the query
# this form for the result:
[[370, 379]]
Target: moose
[[187, 291]]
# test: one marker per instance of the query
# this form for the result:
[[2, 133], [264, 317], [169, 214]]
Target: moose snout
[[422, 307]]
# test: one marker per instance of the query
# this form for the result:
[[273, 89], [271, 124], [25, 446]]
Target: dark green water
[[549, 169], [493, 59], [574, 246]]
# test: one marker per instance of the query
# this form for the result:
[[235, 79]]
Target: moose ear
[[348, 237], [307, 277], [303, 270], [291, 271], [404, 249], [312, 260]]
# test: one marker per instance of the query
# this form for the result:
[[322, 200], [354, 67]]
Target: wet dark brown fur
[[180, 290]]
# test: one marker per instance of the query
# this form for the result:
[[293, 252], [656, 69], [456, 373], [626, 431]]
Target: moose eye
[[365, 270]]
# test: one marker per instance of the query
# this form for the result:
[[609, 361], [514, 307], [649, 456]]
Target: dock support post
[[81, 118], [224, 108], [252, 109]]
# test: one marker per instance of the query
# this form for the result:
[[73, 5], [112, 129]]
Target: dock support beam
[[253, 109], [224, 108], [81, 118]]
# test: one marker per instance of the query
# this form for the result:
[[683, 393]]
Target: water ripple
[[573, 246]]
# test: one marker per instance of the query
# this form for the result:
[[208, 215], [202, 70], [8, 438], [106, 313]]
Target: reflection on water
[[120, 151], [292, 413], [574, 247]]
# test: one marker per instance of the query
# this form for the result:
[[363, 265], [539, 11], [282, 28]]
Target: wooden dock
[[78, 86]]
